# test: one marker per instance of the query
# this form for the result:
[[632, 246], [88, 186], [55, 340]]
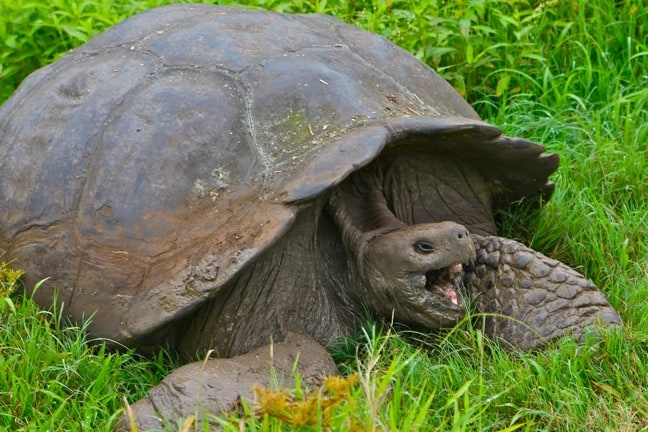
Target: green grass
[[571, 74], [52, 378]]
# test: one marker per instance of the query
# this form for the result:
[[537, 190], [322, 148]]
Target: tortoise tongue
[[441, 282]]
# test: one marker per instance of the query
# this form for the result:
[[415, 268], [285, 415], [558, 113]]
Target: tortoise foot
[[214, 387]]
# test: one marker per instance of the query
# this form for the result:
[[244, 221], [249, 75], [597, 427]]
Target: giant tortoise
[[211, 178]]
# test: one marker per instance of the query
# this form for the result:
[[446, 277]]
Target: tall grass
[[571, 74], [52, 378]]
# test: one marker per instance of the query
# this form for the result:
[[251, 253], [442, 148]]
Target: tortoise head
[[415, 273]]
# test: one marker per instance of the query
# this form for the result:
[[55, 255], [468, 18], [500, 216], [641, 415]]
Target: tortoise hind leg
[[216, 386], [545, 298]]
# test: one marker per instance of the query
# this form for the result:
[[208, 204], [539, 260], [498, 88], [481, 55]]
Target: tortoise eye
[[424, 247]]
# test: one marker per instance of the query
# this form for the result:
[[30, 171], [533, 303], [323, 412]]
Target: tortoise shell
[[144, 170]]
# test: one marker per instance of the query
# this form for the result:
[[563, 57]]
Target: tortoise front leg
[[216, 386], [545, 298]]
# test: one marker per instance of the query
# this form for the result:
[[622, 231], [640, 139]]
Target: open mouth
[[445, 282]]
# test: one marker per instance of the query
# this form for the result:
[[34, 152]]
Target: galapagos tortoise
[[202, 177]]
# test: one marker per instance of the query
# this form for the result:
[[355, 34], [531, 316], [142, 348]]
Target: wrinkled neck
[[360, 210], [409, 188]]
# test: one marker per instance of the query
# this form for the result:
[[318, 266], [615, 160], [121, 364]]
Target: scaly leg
[[215, 386], [546, 298]]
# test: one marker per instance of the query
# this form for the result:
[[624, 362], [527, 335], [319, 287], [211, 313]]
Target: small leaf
[[607, 389], [11, 304], [10, 41], [469, 53], [502, 85], [189, 422], [464, 28]]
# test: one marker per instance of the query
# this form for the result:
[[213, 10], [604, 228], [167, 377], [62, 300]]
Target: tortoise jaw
[[446, 282]]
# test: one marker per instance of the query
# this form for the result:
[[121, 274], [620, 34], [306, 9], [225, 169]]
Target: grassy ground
[[572, 74]]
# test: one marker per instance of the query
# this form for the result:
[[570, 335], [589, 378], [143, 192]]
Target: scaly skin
[[217, 385], [546, 298]]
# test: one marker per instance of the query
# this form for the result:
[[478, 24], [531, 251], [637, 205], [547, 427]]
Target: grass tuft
[[51, 378]]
